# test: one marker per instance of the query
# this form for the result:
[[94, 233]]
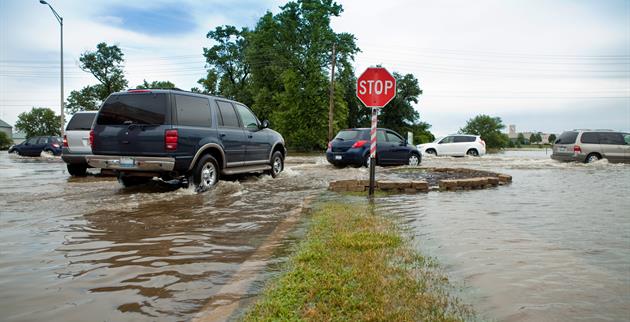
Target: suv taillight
[[91, 138], [65, 141], [330, 145], [170, 140], [359, 144], [577, 149], [482, 142]]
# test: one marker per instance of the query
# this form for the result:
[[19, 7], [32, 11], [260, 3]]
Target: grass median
[[355, 265]]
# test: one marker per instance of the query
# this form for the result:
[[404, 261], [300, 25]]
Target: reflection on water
[[554, 245]]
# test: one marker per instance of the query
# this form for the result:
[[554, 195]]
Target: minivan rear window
[[81, 122], [567, 137], [149, 108]]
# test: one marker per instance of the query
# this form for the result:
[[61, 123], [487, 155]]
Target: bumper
[[73, 158], [344, 157], [131, 163]]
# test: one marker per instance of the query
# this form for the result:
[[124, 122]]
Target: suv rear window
[[461, 138], [149, 108], [81, 122], [567, 138]]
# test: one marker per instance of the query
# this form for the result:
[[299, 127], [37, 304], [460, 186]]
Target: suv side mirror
[[265, 124]]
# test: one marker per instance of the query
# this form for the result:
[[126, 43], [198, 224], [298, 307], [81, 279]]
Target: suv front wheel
[[206, 173], [277, 164]]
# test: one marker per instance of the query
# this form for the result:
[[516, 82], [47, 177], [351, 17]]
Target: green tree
[[228, 71], [520, 139], [532, 138], [289, 57], [5, 141], [105, 64], [156, 85], [39, 121], [489, 128], [552, 138], [208, 84]]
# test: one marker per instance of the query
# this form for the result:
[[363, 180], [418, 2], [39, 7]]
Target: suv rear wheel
[[76, 170], [592, 158], [206, 173], [473, 152], [277, 164]]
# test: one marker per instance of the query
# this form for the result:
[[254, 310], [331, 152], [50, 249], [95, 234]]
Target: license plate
[[337, 157], [127, 162], [562, 148]]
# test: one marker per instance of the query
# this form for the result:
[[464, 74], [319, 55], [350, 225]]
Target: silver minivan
[[591, 145]]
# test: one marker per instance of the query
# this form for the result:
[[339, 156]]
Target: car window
[[393, 138], [567, 137], [448, 139], [193, 111], [347, 135], [228, 115], [380, 136], [249, 119], [147, 108], [33, 140], [611, 138], [590, 138], [42, 140], [81, 122], [626, 138], [461, 139]]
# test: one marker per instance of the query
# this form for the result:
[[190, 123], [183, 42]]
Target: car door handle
[[249, 136], [222, 135]]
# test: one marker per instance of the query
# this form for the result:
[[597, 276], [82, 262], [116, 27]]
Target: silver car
[[591, 145], [76, 142]]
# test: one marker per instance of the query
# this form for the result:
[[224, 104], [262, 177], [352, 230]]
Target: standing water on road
[[553, 245]]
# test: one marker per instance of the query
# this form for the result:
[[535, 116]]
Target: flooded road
[[81, 249], [554, 245]]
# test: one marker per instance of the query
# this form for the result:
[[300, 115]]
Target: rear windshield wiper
[[340, 139]]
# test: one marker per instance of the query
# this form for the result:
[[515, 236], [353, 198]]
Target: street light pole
[[60, 19]]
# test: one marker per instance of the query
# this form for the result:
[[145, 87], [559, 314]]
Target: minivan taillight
[[65, 141], [91, 138], [170, 140], [577, 149], [359, 144]]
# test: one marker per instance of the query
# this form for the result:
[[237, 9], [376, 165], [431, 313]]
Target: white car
[[456, 145]]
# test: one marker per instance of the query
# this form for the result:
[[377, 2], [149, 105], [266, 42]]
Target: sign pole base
[[372, 177]]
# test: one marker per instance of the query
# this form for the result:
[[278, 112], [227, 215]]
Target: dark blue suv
[[352, 147], [173, 134]]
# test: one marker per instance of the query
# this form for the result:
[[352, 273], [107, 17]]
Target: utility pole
[[60, 19], [331, 106]]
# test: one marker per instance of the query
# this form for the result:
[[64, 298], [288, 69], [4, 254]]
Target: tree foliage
[[489, 128], [552, 138], [105, 64], [39, 121], [156, 85], [5, 141], [520, 139]]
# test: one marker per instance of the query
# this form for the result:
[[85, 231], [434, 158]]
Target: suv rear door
[[194, 124], [78, 132], [612, 145], [231, 134], [132, 124]]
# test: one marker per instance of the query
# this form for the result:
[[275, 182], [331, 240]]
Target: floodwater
[[554, 245]]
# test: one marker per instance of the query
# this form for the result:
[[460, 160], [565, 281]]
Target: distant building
[[513, 135], [6, 128]]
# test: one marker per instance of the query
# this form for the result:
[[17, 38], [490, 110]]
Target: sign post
[[375, 88]]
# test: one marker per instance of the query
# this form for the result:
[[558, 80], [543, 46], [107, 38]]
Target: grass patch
[[355, 265]]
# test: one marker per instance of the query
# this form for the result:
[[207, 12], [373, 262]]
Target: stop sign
[[376, 87]]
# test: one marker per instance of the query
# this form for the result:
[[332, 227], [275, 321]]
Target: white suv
[[456, 145]]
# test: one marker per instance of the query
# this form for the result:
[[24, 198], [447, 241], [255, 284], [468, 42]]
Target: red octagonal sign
[[376, 87]]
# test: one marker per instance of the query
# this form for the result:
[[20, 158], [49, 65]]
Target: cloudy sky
[[541, 65]]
